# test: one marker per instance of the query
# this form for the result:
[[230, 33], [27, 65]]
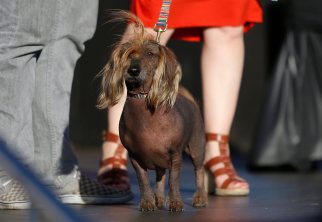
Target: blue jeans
[[40, 42]]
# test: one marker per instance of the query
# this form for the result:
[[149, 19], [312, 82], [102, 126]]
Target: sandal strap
[[219, 159], [217, 137], [225, 171], [116, 161], [111, 137], [222, 139], [223, 158], [229, 181]]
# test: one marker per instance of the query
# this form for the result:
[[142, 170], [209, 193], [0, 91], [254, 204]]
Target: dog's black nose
[[134, 71]]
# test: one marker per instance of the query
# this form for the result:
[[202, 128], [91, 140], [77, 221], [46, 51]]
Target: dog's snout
[[134, 71]]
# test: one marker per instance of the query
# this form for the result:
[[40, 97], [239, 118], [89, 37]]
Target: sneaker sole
[[15, 205], [81, 199], [71, 199]]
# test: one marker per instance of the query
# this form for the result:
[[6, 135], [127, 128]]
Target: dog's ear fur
[[165, 83], [112, 85]]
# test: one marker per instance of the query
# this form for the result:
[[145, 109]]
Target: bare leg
[[109, 148], [113, 118], [222, 66]]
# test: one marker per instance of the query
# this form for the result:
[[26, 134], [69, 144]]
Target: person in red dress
[[220, 25]]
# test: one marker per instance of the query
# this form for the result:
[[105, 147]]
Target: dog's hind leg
[[200, 197], [147, 202], [175, 200], [160, 183]]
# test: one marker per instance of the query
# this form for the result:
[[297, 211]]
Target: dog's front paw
[[175, 205], [200, 199], [159, 201], [147, 205]]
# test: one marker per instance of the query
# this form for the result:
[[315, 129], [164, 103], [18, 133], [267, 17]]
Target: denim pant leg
[[41, 43], [17, 81], [75, 24]]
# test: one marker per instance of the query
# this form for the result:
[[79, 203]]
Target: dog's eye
[[149, 53]]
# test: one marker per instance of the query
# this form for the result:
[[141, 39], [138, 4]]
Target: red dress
[[190, 17]]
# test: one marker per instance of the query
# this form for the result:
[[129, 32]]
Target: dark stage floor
[[278, 196]]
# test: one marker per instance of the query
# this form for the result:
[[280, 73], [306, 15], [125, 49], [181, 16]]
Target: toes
[[237, 182], [175, 205], [238, 185], [147, 205], [200, 199], [159, 201]]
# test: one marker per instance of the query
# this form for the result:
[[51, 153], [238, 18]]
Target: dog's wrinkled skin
[[157, 122]]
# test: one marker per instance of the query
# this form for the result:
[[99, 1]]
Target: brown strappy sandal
[[228, 169], [116, 176]]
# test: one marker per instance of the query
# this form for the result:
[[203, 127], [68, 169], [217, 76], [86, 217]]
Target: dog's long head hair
[[143, 66]]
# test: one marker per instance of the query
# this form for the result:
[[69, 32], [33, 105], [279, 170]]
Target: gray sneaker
[[92, 192], [13, 196]]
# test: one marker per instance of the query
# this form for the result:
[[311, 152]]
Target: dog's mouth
[[133, 83], [135, 79], [136, 87]]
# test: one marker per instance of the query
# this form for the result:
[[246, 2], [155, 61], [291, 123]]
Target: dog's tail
[[185, 93]]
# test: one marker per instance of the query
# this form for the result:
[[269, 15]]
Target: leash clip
[[159, 30]]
